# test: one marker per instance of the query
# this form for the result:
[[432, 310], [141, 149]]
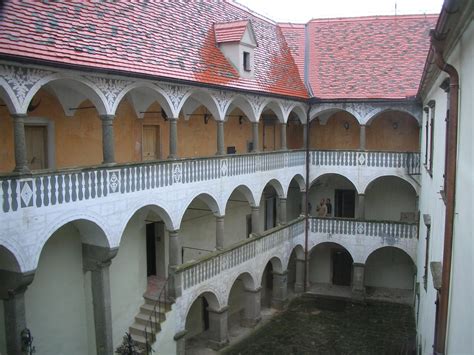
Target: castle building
[[172, 169]]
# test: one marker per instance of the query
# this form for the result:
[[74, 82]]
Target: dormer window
[[246, 60], [237, 42]]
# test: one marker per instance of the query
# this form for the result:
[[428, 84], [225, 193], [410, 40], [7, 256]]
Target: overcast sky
[[301, 11]]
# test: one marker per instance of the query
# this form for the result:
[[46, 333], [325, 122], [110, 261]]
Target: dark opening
[[267, 284], [341, 267], [344, 203], [205, 313], [150, 250], [246, 61], [270, 212]]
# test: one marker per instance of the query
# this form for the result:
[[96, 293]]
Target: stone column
[[305, 137], [218, 333], [175, 258], [12, 292], [255, 149], [180, 339], [256, 220], [108, 150], [283, 136], [97, 260], [283, 218], [21, 164], [303, 202], [173, 138], [280, 290], [362, 138], [361, 207], [299, 282], [358, 289], [219, 232], [252, 307], [220, 138]]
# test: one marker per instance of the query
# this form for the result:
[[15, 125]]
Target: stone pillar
[[108, 150], [303, 202], [173, 138], [180, 339], [299, 282], [305, 137], [255, 137], [175, 258], [252, 307], [362, 138], [256, 220], [219, 232], [12, 292], [361, 207], [220, 138], [283, 136], [283, 218], [97, 260], [358, 289], [280, 289], [218, 334], [21, 164]]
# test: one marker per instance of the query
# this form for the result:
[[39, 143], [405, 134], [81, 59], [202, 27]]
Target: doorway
[[151, 142], [270, 212], [36, 147], [344, 203], [269, 134], [150, 250], [341, 267], [205, 313]]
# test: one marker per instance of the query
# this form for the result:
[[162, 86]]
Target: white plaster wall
[[389, 268], [461, 314], [387, 198], [128, 278], [235, 222], [56, 300], [236, 302], [194, 319], [165, 343], [320, 264]]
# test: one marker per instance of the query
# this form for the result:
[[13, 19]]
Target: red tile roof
[[295, 37], [368, 57], [167, 39], [230, 31]]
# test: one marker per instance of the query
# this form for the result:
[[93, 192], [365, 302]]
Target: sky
[[301, 11]]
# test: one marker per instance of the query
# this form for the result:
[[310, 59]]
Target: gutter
[[438, 44]]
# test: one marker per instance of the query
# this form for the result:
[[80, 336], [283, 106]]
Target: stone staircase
[[151, 315]]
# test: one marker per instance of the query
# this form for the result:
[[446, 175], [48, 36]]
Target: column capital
[[220, 218], [19, 116], [256, 290], [106, 118], [96, 257], [254, 208], [358, 264], [218, 311], [173, 233], [14, 283], [278, 273]]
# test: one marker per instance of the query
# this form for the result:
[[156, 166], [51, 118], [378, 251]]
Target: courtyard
[[317, 325]]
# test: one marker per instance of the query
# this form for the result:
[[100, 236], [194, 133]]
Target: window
[[427, 132], [247, 61]]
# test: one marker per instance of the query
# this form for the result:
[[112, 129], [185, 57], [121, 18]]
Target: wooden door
[[36, 147], [150, 143]]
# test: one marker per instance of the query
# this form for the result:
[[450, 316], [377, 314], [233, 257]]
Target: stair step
[[140, 340], [149, 309], [151, 301], [139, 329], [145, 319]]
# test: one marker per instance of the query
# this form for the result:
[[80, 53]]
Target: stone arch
[[204, 98], [299, 252], [277, 266], [370, 182], [211, 298], [91, 229], [300, 181], [300, 111], [371, 116], [276, 185], [373, 250], [277, 109], [325, 111], [246, 192], [8, 260], [247, 279], [149, 94], [313, 182], [342, 245], [251, 111]]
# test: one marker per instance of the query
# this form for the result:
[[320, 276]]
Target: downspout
[[306, 212], [450, 193]]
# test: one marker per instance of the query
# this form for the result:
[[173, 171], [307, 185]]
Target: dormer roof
[[235, 32]]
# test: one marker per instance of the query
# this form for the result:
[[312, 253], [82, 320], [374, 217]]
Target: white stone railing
[[404, 160], [42, 189], [215, 263], [383, 229]]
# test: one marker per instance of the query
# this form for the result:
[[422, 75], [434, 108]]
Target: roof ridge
[[372, 17], [251, 12]]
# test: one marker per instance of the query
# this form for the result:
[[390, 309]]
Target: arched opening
[[238, 132], [393, 131], [238, 217], [61, 286], [390, 198], [335, 130], [296, 271], [197, 135], [294, 198], [270, 131], [272, 293], [390, 275], [199, 323], [330, 269], [198, 229], [332, 195], [270, 205], [242, 307], [7, 152]]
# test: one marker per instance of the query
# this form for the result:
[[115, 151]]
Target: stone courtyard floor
[[319, 325]]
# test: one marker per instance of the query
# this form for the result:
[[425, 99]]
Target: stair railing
[[156, 317]]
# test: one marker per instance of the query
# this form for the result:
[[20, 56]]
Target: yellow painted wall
[[7, 155], [333, 135], [294, 136], [381, 134]]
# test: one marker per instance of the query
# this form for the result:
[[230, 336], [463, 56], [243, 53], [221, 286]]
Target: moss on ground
[[314, 325]]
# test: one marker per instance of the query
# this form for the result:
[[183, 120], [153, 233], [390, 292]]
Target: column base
[[180, 342], [299, 288], [217, 345], [279, 304], [358, 294], [250, 323]]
